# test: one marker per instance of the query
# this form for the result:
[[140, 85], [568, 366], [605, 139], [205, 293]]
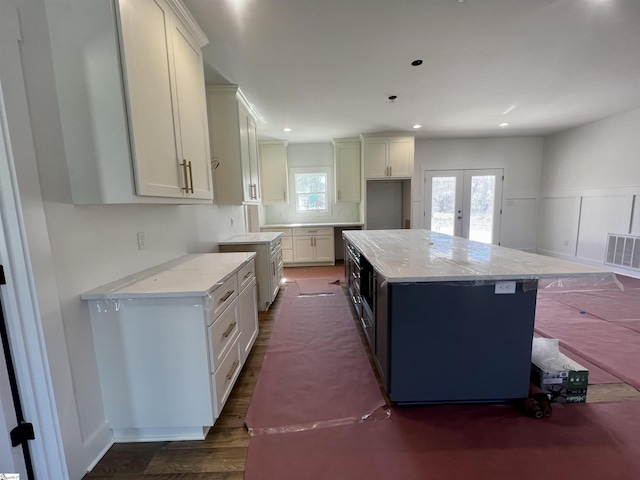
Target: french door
[[464, 203]]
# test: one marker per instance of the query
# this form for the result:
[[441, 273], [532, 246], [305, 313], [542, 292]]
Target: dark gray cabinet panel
[[458, 342]]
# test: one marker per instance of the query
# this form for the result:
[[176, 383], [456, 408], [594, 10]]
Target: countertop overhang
[[411, 256], [252, 238], [194, 275]]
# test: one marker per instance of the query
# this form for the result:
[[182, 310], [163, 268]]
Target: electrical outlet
[[142, 240], [505, 287]]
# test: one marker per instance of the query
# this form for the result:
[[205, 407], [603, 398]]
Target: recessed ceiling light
[[504, 124], [417, 126], [416, 63], [286, 129]]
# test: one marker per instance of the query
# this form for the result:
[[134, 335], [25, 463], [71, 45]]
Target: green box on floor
[[563, 380]]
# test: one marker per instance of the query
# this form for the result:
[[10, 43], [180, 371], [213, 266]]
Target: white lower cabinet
[[170, 343], [268, 262], [313, 245]]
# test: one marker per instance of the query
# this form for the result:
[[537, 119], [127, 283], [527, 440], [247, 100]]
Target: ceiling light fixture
[[392, 98], [417, 126], [504, 124], [286, 129], [416, 63]]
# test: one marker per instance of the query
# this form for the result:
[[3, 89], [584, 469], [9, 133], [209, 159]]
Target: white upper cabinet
[[234, 146], [133, 118], [274, 173], [388, 157], [346, 163]]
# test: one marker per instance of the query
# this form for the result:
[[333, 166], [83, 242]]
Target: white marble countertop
[[405, 256], [320, 224], [252, 238], [193, 275]]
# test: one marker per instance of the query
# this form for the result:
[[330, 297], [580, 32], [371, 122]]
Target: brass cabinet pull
[[229, 329], [190, 177], [234, 367], [391, 170], [227, 295], [247, 275], [185, 175]]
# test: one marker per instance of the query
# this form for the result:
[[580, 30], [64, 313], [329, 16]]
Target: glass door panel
[[481, 209], [443, 211], [464, 203], [443, 199]]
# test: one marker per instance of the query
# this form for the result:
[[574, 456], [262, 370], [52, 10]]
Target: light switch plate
[[505, 287]]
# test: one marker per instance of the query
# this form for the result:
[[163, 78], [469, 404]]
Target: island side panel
[[459, 342]]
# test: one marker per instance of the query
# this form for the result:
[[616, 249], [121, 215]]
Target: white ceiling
[[325, 68]]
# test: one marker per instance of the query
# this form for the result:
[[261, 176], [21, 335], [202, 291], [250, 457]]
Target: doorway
[[464, 203]]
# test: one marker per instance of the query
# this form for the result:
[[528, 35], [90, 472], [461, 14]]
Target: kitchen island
[[448, 319]]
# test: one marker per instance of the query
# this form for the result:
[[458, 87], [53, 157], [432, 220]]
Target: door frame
[[463, 176], [19, 298]]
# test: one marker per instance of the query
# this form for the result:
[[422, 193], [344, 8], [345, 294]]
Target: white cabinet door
[[401, 157], [243, 128], [147, 54], [273, 171], [324, 248], [233, 135], [375, 158], [192, 114], [248, 318], [254, 164], [386, 158], [347, 171], [303, 250]]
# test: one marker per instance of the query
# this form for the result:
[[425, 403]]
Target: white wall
[[521, 160], [76, 248], [300, 155], [590, 187]]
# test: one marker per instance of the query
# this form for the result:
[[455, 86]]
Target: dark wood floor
[[222, 455]]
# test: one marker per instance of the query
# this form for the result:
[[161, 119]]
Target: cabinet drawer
[[226, 375], [246, 274], [222, 334], [223, 296], [313, 231]]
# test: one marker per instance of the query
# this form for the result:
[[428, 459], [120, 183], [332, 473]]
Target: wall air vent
[[623, 251]]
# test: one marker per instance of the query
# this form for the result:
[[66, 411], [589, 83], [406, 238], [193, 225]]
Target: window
[[311, 192]]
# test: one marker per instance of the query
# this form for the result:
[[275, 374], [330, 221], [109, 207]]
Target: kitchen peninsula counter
[[448, 319]]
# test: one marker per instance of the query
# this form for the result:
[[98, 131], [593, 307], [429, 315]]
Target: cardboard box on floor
[[562, 379]]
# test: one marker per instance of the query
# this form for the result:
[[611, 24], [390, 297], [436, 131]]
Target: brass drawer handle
[[226, 296], [234, 367], [247, 275], [229, 329]]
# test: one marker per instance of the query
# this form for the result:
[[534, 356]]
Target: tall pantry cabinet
[[130, 84], [234, 146]]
